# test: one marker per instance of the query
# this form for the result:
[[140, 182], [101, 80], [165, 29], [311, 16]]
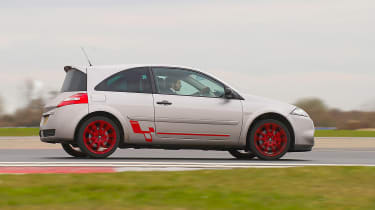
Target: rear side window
[[135, 80], [74, 81]]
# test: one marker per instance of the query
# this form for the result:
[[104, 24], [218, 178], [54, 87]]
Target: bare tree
[[368, 106], [312, 105], [29, 115], [53, 94], [29, 90], [1, 106], [317, 110]]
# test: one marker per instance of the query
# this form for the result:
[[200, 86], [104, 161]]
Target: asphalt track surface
[[347, 153], [317, 156]]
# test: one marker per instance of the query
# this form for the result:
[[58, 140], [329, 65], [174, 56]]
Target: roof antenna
[[87, 57]]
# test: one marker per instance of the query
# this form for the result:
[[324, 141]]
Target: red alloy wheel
[[99, 137], [270, 139]]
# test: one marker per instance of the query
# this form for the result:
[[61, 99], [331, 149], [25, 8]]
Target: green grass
[[286, 188], [318, 133], [344, 133], [19, 131]]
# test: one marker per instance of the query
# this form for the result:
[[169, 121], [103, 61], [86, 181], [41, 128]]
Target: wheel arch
[[104, 114], [274, 116]]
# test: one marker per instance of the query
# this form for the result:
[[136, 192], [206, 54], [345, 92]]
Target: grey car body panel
[[198, 115], [126, 107], [64, 120], [122, 105], [229, 118], [255, 106]]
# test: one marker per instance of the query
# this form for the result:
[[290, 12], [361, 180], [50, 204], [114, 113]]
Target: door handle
[[164, 102]]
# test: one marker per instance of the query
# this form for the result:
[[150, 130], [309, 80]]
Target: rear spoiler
[[68, 68]]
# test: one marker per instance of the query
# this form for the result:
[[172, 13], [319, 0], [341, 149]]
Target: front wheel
[[98, 137], [242, 155], [269, 139]]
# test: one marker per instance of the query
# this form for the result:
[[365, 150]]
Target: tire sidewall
[[82, 145], [252, 145], [242, 156], [68, 148]]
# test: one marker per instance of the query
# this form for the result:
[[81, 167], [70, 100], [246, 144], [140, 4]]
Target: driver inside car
[[173, 85]]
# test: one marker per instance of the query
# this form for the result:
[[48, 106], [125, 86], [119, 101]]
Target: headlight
[[299, 112]]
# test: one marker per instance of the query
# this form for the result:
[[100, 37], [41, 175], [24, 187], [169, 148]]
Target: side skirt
[[177, 147]]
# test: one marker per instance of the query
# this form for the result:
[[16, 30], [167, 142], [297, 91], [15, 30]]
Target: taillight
[[79, 98]]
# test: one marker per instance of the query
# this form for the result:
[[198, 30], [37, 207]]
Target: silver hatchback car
[[101, 108]]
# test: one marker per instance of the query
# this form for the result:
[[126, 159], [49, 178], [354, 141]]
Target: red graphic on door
[[137, 129]]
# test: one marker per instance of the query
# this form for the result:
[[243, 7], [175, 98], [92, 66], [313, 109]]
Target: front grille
[[48, 132]]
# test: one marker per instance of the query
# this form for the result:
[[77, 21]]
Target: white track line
[[166, 164]]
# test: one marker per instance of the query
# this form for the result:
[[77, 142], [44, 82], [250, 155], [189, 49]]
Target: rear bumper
[[53, 139], [59, 125]]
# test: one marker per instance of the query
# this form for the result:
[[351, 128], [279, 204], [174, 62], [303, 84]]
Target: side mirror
[[228, 93]]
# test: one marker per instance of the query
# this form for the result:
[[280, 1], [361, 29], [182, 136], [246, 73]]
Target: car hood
[[253, 102]]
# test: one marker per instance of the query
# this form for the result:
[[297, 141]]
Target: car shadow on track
[[151, 159]]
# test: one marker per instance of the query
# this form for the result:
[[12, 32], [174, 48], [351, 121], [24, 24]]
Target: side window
[[135, 80], [187, 89], [173, 81]]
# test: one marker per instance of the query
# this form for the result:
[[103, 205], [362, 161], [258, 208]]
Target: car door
[[190, 108], [129, 92]]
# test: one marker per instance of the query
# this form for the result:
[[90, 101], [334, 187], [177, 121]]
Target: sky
[[285, 50]]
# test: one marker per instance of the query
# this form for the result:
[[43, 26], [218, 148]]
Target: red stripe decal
[[137, 129], [193, 134]]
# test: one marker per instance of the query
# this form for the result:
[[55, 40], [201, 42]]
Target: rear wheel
[[243, 155], [269, 139], [98, 137], [73, 151]]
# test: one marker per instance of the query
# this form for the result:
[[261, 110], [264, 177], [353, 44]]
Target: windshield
[[74, 81]]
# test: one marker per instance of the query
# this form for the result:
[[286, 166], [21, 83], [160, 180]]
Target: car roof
[[109, 69], [124, 66]]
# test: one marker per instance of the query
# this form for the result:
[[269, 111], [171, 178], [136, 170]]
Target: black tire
[[75, 152], [88, 146], [242, 155], [265, 152]]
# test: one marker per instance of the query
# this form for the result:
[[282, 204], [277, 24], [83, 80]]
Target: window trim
[[153, 84], [236, 95], [147, 70]]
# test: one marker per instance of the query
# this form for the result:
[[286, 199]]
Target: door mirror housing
[[228, 92]]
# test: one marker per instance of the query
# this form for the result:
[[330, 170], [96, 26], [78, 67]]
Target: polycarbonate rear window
[[137, 80], [74, 81]]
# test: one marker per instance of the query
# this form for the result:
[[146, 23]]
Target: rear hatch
[[75, 82]]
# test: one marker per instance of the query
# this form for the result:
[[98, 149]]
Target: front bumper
[[303, 133], [59, 125]]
